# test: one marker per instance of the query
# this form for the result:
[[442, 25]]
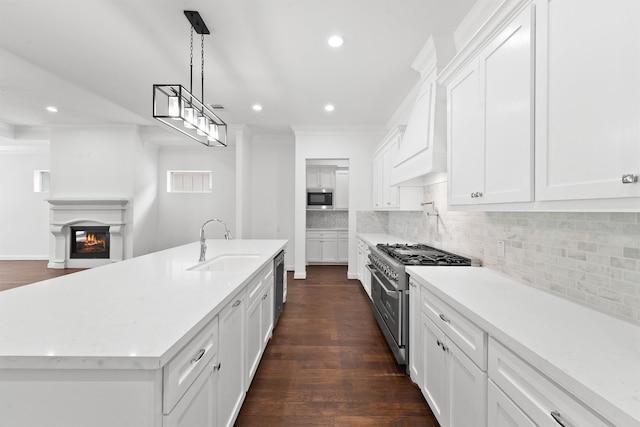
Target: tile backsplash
[[590, 257], [327, 219]]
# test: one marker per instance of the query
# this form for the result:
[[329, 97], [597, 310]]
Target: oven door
[[387, 302]]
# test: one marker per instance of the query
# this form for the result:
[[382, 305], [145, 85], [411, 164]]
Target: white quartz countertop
[[134, 314], [594, 356]]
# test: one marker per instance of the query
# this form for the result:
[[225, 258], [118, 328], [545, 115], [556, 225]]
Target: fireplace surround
[[68, 217]]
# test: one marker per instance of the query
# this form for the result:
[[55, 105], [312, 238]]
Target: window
[[41, 181], [189, 181]]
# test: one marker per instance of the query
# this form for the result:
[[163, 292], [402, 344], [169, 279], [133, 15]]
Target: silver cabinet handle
[[473, 195], [198, 355], [439, 343], [264, 296], [558, 417], [237, 303], [629, 178], [217, 366], [478, 194], [444, 318]]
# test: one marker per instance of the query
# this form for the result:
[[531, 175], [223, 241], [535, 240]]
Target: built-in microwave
[[320, 198]]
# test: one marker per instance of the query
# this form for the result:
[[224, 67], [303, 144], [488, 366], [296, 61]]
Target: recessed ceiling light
[[52, 109], [257, 107], [329, 108], [335, 41]]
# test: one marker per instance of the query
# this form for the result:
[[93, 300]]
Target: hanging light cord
[[202, 66], [191, 64]]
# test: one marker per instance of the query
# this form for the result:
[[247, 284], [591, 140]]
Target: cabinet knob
[[629, 178], [237, 303], [478, 194], [217, 366], [264, 296], [473, 195]]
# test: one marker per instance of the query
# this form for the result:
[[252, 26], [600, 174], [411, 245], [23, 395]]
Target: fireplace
[[87, 233], [89, 242]]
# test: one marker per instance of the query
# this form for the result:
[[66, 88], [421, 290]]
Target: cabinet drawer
[[322, 234], [184, 368], [470, 338], [502, 411], [537, 396], [255, 288]]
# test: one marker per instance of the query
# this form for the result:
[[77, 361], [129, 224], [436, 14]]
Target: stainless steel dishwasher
[[278, 272]]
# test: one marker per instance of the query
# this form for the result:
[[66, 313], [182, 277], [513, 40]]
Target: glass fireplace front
[[90, 242]]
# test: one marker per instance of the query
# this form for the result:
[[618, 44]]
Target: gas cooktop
[[419, 254]]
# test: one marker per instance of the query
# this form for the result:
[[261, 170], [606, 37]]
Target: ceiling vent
[[216, 106]]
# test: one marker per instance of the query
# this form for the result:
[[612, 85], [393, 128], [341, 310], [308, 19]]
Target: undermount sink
[[226, 262]]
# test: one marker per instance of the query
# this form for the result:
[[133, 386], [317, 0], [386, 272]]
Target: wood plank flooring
[[329, 365], [19, 273], [326, 365]]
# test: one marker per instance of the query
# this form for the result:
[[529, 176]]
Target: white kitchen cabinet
[[343, 246], [198, 406], [454, 379], [341, 192], [502, 412], [385, 195], [259, 319], [415, 336], [491, 122], [322, 246], [587, 92], [544, 402], [452, 384], [321, 176], [232, 356]]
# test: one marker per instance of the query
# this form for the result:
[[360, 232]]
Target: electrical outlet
[[501, 248]]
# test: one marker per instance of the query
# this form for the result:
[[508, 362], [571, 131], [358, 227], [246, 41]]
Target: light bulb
[[174, 107], [189, 117]]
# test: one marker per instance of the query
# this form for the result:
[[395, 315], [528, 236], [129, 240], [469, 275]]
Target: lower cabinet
[[259, 320], [343, 247], [231, 357], [198, 406], [362, 260], [502, 411], [415, 338], [323, 247], [453, 385], [539, 399]]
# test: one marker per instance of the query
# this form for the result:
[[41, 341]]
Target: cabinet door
[[313, 177], [330, 249], [327, 177], [506, 75], [341, 193], [502, 412], [435, 379], [465, 143], [343, 249], [314, 250], [391, 194], [254, 338], [267, 312], [415, 336], [378, 184], [468, 390], [198, 406], [231, 353], [587, 92]]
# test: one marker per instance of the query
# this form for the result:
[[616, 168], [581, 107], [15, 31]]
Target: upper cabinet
[[341, 193], [321, 177], [588, 99], [421, 153], [543, 110], [490, 122], [387, 196]]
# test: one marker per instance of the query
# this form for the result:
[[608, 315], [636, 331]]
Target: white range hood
[[422, 152]]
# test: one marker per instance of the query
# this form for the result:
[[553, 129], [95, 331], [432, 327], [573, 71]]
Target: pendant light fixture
[[177, 107]]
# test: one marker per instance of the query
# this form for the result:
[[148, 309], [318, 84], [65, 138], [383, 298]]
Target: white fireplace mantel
[[69, 212]]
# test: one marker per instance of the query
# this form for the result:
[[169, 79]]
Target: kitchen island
[[102, 346]]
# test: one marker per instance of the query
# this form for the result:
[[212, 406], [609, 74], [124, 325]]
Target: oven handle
[[373, 271]]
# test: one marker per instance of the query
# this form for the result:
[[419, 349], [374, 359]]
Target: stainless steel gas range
[[390, 287]]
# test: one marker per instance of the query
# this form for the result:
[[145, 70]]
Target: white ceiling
[[96, 60]]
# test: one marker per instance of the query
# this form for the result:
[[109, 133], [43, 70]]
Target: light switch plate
[[501, 248]]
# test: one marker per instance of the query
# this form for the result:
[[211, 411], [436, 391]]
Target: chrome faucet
[[203, 245]]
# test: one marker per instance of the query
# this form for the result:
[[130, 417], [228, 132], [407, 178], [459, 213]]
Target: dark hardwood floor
[[19, 273], [328, 363]]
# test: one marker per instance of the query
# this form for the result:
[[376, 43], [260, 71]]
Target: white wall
[[99, 162], [180, 215], [272, 191], [145, 203], [357, 146], [24, 215]]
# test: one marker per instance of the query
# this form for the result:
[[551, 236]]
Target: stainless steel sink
[[226, 262]]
